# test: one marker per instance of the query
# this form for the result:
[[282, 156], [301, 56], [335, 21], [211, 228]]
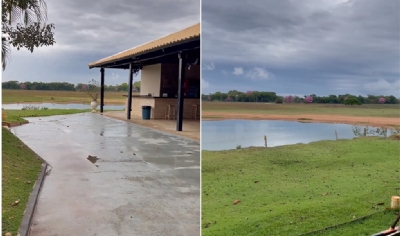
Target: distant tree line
[[257, 96], [64, 86]]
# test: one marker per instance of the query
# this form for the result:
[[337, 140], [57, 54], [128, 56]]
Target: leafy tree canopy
[[23, 25], [352, 101]]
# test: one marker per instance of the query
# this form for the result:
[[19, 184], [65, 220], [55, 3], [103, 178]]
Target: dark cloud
[[87, 31], [318, 41]]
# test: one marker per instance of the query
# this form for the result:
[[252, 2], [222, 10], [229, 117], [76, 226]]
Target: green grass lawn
[[18, 115], [374, 110], [38, 96], [20, 169], [296, 189], [371, 225]]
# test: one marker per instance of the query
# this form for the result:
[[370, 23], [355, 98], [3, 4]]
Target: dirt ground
[[338, 119]]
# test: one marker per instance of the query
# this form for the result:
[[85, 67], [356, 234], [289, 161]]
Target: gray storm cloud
[[87, 31], [321, 42]]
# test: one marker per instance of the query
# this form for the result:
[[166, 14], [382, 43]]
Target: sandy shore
[[336, 119]]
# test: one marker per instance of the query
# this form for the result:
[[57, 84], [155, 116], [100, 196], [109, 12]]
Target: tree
[[219, 96], [279, 100], [308, 99], [297, 99], [352, 101], [391, 100], [24, 25], [123, 87], [333, 98], [382, 100], [289, 99], [137, 85], [261, 96]]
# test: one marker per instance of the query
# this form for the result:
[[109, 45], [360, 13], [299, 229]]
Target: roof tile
[[185, 34]]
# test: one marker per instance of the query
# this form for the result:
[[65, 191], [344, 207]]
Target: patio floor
[[190, 128], [144, 182]]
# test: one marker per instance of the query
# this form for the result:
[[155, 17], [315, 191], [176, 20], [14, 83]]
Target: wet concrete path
[[144, 182]]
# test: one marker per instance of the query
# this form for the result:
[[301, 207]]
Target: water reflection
[[360, 131], [231, 134]]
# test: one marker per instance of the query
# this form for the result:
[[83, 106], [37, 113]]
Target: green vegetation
[[374, 110], [17, 115], [372, 224], [296, 189], [352, 101], [38, 96], [279, 100], [261, 96], [64, 86], [20, 169], [23, 25]]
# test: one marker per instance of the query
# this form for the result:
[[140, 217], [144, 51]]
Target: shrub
[[395, 136], [32, 107], [279, 100], [92, 89], [352, 101]]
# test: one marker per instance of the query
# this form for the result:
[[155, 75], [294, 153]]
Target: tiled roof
[[185, 34]]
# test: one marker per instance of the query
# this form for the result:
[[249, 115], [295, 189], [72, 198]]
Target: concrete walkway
[[144, 183], [190, 128]]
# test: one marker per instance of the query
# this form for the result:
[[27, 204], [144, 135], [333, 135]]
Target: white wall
[[150, 80]]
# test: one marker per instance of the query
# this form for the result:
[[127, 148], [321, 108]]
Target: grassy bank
[[36, 96], [373, 224], [20, 169], [18, 115], [372, 110], [295, 189]]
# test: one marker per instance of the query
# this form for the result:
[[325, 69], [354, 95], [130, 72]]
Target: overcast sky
[[301, 47], [90, 30]]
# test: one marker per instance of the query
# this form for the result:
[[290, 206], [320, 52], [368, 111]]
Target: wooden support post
[[336, 134], [265, 140], [181, 77], [129, 109], [102, 90]]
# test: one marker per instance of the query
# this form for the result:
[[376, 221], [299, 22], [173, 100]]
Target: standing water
[[231, 134]]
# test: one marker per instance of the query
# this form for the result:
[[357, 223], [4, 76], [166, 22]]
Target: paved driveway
[[144, 183]]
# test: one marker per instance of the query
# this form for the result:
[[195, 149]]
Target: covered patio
[[170, 77]]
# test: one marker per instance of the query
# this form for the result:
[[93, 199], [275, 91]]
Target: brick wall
[[137, 103], [159, 106], [188, 106]]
